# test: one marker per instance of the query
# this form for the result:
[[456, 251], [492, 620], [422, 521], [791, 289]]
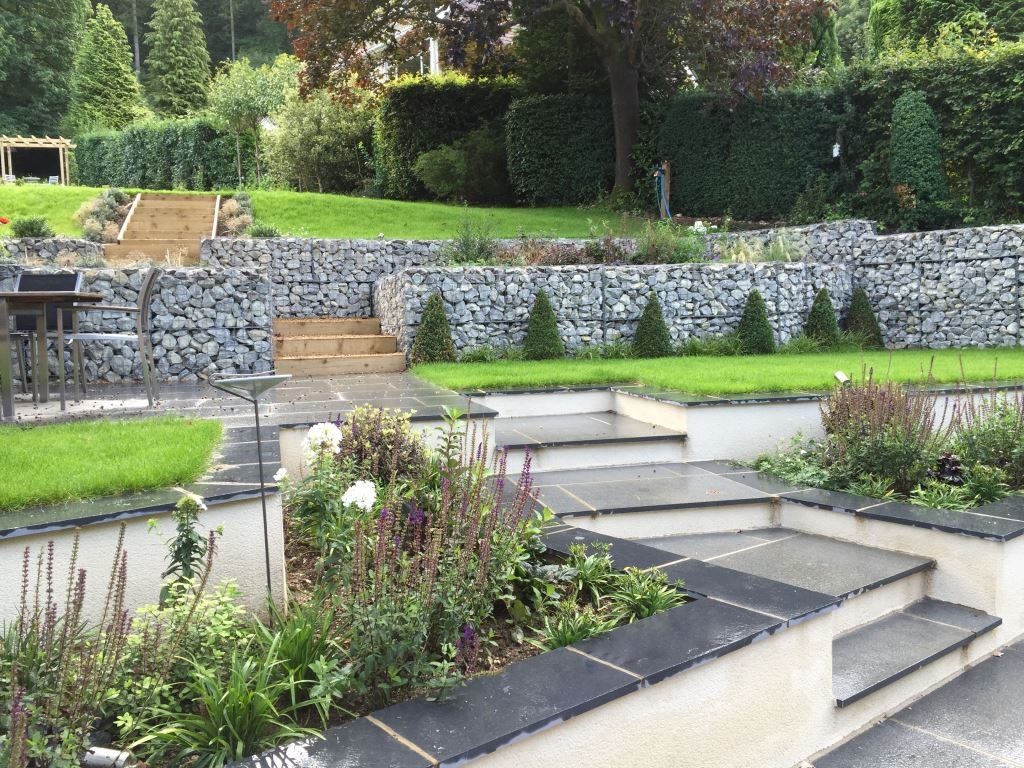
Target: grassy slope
[[63, 462], [733, 375], [315, 215]]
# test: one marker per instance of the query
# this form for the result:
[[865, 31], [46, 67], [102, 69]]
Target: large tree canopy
[[178, 66], [743, 45]]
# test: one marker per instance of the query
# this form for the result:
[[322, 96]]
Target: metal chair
[[25, 326], [141, 337]]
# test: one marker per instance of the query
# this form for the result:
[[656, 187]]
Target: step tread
[[866, 659], [577, 429], [330, 336], [341, 357]]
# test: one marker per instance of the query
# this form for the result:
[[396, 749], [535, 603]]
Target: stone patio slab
[[892, 745]]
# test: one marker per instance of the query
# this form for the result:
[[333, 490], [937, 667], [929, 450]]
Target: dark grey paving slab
[[825, 565], [756, 593], [668, 396], [624, 473], [704, 546], [680, 638], [1012, 508], [668, 493], [560, 501], [983, 709], [892, 745], [761, 482], [970, 619], [489, 712], [359, 743], [831, 500], [625, 553], [968, 523], [577, 429], [872, 656]]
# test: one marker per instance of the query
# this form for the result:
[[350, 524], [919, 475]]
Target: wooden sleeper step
[[331, 345], [340, 365]]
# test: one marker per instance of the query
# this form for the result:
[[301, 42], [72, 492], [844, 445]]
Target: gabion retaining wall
[[204, 321], [594, 304], [64, 251]]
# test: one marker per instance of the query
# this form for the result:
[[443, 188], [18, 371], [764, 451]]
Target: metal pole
[[263, 496]]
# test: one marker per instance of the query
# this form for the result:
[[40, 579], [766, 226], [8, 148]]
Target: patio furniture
[[53, 180], [34, 303], [141, 337], [10, 178], [26, 326]]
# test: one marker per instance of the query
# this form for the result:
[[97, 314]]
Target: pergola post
[[63, 147], [3, 162]]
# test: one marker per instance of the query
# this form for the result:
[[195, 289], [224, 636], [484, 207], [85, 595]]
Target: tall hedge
[[561, 149], [419, 114], [175, 154], [751, 159]]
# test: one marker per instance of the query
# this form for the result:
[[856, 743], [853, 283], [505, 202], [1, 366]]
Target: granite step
[[584, 440], [871, 657]]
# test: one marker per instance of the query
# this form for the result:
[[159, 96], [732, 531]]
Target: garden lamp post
[[250, 387]]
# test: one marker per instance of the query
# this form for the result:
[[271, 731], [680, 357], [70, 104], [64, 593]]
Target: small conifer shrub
[[755, 331], [543, 341], [434, 338], [821, 322], [652, 337], [862, 323]]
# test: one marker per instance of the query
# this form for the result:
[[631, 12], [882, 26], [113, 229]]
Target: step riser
[[342, 366], [157, 197], [352, 345], [549, 459], [327, 327], [881, 601], [176, 223], [166, 234]]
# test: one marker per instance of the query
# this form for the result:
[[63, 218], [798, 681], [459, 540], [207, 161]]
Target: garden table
[[33, 303]]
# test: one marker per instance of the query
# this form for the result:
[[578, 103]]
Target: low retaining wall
[[204, 321], [62, 251], [596, 304]]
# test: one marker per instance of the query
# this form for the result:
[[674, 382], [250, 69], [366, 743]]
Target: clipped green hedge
[[561, 149], [417, 115], [172, 154], [751, 159]]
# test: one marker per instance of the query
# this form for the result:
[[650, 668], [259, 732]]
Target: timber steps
[[165, 229], [335, 347]]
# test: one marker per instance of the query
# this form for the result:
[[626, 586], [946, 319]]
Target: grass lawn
[[337, 216], [83, 459], [736, 375]]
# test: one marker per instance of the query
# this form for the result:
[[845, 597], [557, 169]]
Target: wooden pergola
[[8, 143]]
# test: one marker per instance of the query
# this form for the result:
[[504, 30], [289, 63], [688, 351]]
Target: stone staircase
[[335, 347], [165, 229]]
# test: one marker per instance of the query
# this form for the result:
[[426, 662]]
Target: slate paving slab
[[704, 546], [891, 745], [577, 429]]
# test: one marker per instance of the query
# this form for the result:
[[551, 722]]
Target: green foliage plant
[[663, 242], [571, 623], [433, 342], [990, 433], [101, 217], [188, 550], [638, 594], [471, 169], [32, 227], [755, 330], [104, 90], [821, 324], [916, 168], [543, 340], [729, 345], [261, 229], [652, 336], [177, 70], [472, 244], [861, 321], [592, 570]]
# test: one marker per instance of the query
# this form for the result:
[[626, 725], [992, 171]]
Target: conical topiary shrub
[[862, 323], [434, 338], [755, 331], [821, 322], [652, 339], [542, 339]]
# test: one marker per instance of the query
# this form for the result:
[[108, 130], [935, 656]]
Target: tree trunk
[[135, 37], [238, 157], [624, 79]]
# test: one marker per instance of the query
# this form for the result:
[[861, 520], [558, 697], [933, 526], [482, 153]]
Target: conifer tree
[[104, 91], [177, 72], [652, 336], [543, 341], [433, 342]]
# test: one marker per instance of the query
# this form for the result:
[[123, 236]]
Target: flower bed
[[412, 569], [887, 441]]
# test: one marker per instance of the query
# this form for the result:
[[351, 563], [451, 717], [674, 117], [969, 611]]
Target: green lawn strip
[[304, 214], [84, 459], [736, 375]]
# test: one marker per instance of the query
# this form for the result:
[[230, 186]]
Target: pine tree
[[821, 322], [861, 321], [104, 91], [755, 330], [434, 338], [178, 66], [652, 337], [543, 342], [38, 42]]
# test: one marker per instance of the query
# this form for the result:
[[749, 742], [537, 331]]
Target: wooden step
[[340, 365], [327, 326], [318, 346], [161, 196], [154, 250], [177, 233]]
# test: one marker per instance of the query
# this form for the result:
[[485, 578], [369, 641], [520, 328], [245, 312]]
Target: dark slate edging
[[543, 691], [678, 437], [423, 413], [226, 483]]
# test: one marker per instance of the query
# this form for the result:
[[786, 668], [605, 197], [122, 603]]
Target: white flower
[[699, 227], [281, 475], [321, 440], [362, 494]]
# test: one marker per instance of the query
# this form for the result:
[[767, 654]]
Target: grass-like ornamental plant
[[543, 341], [821, 322], [433, 342], [652, 337], [861, 321], [755, 330]]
